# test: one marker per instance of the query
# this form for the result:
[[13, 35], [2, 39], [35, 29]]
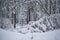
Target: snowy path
[[51, 35]]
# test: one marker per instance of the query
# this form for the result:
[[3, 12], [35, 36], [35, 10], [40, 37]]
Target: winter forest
[[31, 16]]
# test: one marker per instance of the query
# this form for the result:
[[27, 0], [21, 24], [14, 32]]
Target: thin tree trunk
[[14, 20]]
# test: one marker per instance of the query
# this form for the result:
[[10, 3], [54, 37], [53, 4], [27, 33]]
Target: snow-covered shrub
[[44, 24], [6, 23]]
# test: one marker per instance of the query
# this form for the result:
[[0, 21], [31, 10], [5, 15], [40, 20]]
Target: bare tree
[[49, 6], [14, 14]]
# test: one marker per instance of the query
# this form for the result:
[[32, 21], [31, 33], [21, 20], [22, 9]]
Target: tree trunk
[[14, 20]]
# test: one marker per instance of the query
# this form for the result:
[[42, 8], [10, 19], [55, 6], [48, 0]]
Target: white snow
[[51, 35]]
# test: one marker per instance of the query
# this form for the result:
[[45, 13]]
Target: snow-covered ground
[[9, 35]]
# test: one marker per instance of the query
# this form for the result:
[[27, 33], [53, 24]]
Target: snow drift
[[8, 35]]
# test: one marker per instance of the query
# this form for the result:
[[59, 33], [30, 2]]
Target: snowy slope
[[8, 35], [52, 35]]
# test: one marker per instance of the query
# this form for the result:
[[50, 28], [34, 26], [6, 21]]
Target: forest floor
[[9, 35]]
